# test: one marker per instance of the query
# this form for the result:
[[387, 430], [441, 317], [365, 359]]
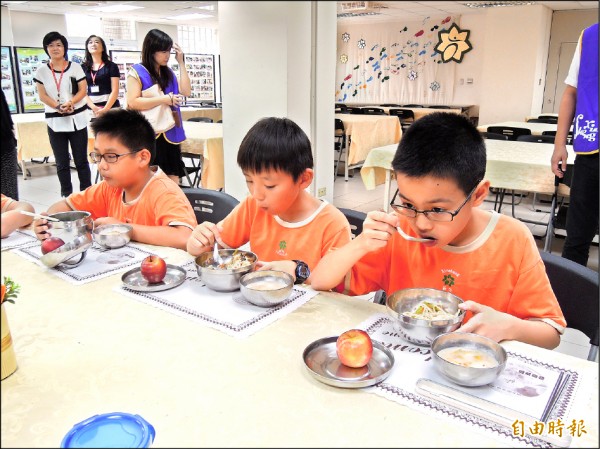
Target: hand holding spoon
[[39, 216]]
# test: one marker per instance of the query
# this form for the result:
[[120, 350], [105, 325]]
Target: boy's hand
[[41, 227], [106, 220], [378, 228], [204, 237], [289, 266], [487, 321]]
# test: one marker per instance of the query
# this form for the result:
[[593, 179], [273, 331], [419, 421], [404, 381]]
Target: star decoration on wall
[[435, 86], [362, 44], [345, 37], [453, 44], [343, 59], [412, 75]]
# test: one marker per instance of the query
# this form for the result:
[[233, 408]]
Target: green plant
[[10, 290]]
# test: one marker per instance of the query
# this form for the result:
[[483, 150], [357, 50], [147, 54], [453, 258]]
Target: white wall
[[512, 63], [142, 28], [7, 35], [471, 65], [266, 60], [29, 29]]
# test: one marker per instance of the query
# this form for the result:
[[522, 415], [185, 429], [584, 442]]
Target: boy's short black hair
[[444, 145], [275, 143], [130, 127], [54, 36]]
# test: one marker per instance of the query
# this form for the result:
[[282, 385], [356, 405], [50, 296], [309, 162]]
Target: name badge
[[95, 89]]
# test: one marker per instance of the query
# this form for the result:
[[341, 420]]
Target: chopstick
[[46, 217]]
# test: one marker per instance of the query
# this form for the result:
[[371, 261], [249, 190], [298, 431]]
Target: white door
[[555, 91]]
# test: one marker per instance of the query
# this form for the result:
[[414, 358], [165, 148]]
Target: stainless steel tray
[[321, 360], [134, 280]]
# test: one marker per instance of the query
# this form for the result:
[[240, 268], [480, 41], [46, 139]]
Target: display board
[[201, 69], [124, 60], [76, 55], [27, 61], [9, 85]]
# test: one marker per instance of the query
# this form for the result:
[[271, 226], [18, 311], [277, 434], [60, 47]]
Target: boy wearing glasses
[[131, 191], [438, 237]]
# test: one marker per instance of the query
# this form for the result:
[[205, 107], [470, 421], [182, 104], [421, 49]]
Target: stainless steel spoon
[[410, 238]]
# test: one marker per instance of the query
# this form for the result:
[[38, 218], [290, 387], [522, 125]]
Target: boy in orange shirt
[[488, 259], [12, 218], [288, 228], [131, 191]]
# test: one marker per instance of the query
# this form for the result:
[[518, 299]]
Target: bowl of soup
[[468, 359], [421, 314], [266, 288]]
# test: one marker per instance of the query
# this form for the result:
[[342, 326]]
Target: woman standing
[[62, 87], [156, 51], [102, 76]]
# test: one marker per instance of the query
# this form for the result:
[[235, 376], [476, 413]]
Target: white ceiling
[[166, 11]]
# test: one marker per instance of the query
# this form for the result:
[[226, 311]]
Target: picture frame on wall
[[124, 60], [9, 85], [27, 61], [201, 70]]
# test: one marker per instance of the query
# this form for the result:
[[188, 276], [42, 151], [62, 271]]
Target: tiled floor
[[42, 190]]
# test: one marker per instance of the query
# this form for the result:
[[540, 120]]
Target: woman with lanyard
[[102, 77], [156, 51], [62, 87]]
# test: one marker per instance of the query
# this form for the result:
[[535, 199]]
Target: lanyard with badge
[[57, 82], [93, 88]]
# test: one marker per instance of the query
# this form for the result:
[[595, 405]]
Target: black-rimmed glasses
[[110, 158], [435, 214]]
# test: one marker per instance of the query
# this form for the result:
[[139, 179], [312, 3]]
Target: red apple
[[354, 348], [154, 269], [51, 244]]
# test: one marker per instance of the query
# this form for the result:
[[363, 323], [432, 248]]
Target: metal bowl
[[223, 279], [113, 236], [420, 331], [266, 288], [75, 229], [472, 345]]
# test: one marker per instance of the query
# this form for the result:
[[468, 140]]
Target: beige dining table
[[512, 165], [206, 140], [215, 114], [536, 128], [31, 132], [83, 350], [365, 132]]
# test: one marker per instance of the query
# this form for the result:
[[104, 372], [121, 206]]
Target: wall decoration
[[400, 63], [453, 44], [345, 37]]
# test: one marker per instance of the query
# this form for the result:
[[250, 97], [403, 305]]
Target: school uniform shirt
[[99, 83], [501, 268], [161, 203], [58, 122], [6, 201], [272, 238]]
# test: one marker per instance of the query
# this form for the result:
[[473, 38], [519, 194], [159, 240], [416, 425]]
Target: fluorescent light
[[116, 8], [207, 7], [191, 16], [500, 3]]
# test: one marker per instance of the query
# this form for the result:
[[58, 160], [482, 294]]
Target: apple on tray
[[354, 348], [154, 269], [50, 244]]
